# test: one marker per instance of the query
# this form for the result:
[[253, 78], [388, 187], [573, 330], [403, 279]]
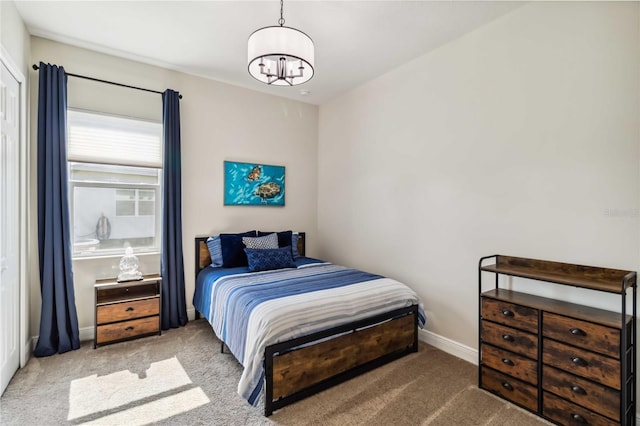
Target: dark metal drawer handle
[[129, 309], [577, 389], [508, 361], [579, 361], [578, 418], [507, 386], [578, 332], [507, 313], [128, 328], [508, 337]]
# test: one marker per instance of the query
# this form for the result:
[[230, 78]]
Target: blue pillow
[[268, 259], [215, 250], [233, 249]]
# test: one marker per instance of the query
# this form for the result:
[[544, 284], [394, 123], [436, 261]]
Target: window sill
[[114, 256]]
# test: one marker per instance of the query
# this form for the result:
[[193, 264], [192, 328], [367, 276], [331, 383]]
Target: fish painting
[[253, 184], [267, 190], [254, 174]]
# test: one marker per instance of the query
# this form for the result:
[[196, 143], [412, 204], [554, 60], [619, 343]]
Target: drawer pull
[[577, 389], [129, 309], [507, 313], [578, 332], [508, 361], [507, 386], [508, 337], [578, 418], [128, 328], [579, 361]]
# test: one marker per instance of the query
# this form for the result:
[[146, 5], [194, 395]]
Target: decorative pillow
[[215, 250], [267, 242], [233, 249], [284, 237], [267, 259], [294, 245]]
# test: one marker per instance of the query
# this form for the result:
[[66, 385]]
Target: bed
[[299, 330]]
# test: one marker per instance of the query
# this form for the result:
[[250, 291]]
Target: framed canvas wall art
[[253, 184]]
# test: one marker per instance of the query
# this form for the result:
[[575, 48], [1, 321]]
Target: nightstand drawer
[[510, 314], [594, 337], [510, 363], [509, 388], [128, 310], [127, 329], [567, 413], [509, 338], [583, 392], [582, 363]]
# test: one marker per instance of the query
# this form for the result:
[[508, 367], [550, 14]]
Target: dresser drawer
[[128, 310], [127, 329], [511, 339], [510, 363], [582, 363], [594, 337], [595, 397], [514, 390], [566, 413], [510, 314]]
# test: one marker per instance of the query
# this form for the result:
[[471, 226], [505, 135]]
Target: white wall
[[218, 122], [13, 35], [521, 138]]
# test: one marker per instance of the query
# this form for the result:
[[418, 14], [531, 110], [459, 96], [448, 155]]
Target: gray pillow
[[261, 243]]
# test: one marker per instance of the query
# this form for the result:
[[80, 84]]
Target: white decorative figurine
[[129, 267]]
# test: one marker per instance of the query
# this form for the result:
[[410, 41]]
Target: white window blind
[[97, 138]]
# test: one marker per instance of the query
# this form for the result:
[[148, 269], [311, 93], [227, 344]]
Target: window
[[135, 202], [115, 169]]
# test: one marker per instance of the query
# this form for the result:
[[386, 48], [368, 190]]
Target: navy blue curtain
[[58, 317], [174, 308]]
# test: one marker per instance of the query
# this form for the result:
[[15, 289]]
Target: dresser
[[127, 310], [569, 363]]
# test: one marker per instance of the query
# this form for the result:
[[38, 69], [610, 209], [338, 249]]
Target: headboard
[[203, 258]]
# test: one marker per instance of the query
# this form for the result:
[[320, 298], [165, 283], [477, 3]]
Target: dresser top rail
[[589, 277]]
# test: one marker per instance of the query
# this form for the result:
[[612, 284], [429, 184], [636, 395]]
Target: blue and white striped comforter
[[250, 311]]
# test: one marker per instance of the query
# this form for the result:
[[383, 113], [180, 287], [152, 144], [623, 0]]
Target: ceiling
[[355, 41]]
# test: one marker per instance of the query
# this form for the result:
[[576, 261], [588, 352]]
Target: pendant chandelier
[[279, 55]]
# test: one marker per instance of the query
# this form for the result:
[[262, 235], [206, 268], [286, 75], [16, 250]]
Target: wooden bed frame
[[299, 367]]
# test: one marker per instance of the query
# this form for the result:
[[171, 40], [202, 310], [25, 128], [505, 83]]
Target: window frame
[[156, 187]]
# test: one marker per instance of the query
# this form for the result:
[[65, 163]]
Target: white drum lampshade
[[280, 56]]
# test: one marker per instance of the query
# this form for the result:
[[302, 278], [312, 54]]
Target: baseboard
[[27, 350], [87, 333], [191, 313], [449, 346]]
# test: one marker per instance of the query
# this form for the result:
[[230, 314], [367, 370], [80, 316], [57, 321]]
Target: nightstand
[[127, 310]]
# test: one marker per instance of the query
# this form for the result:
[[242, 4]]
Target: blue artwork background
[[241, 183]]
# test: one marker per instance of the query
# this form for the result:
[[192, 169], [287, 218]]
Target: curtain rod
[[36, 67]]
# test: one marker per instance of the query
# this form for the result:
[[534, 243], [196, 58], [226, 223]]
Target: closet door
[[9, 227]]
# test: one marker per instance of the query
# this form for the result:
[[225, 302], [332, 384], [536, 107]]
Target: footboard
[[301, 367]]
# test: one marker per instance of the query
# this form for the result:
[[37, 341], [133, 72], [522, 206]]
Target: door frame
[[23, 213]]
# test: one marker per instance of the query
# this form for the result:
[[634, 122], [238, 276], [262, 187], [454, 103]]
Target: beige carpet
[[182, 378]]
